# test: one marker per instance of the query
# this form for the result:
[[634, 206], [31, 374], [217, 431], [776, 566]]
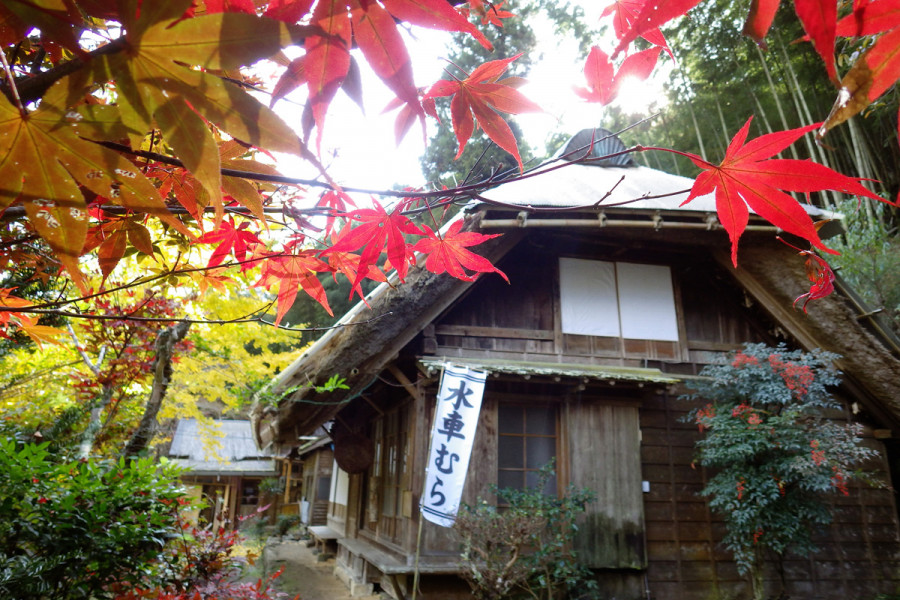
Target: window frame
[[589, 286], [553, 409]]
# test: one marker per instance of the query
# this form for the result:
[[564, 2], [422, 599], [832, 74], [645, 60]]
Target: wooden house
[[608, 311], [317, 458], [223, 466]]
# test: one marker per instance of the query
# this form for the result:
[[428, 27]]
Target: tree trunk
[[162, 374]]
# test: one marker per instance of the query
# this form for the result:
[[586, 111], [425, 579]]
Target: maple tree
[[96, 389], [129, 127]]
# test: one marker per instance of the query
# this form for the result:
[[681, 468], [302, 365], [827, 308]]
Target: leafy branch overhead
[[129, 129]]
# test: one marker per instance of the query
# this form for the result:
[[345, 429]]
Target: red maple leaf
[[624, 14], [289, 11], [759, 20], [488, 12], [649, 18], [819, 274], [327, 59], [482, 94], [603, 80], [375, 31], [348, 264], [337, 202], [376, 231], [291, 273], [447, 252], [435, 14], [748, 177], [231, 240], [869, 18], [818, 19]]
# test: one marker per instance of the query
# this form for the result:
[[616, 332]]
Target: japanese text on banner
[[455, 423]]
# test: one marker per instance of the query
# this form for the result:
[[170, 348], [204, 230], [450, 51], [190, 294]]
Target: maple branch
[[32, 88], [18, 212], [137, 282], [170, 320], [12, 85]]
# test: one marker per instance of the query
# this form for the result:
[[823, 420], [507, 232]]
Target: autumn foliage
[[131, 128]]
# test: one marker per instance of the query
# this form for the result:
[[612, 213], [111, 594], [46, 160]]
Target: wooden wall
[[859, 554], [520, 320], [604, 452]]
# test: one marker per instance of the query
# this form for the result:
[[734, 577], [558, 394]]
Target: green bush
[[524, 550], [71, 529], [773, 451], [285, 522]]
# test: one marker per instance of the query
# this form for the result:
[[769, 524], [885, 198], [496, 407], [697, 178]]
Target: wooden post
[[287, 468]]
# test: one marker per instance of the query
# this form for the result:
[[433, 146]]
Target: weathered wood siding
[[859, 553], [604, 452], [520, 320]]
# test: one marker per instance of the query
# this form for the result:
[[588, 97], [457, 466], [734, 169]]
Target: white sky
[[360, 151]]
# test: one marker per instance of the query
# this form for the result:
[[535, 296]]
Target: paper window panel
[[647, 302], [588, 302]]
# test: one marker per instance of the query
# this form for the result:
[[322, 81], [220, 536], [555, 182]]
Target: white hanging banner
[[455, 423]]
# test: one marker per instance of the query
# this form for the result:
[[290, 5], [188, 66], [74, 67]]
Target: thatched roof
[[369, 337]]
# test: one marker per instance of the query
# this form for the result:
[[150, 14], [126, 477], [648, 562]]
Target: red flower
[[740, 409], [42, 500], [741, 360], [839, 482]]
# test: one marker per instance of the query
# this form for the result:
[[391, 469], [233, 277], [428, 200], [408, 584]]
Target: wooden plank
[[389, 564], [494, 332], [605, 457]]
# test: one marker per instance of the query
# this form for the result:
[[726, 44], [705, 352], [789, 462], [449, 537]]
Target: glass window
[[527, 440]]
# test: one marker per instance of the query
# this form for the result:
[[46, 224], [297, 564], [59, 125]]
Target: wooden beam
[[774, 277], [405, 382], [494, 332]]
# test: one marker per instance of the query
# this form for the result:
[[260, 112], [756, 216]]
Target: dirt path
[[304, 574]]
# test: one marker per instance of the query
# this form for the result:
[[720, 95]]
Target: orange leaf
[[481, 96], [43, 334], [871, 75], [292, 78], [290, 273], [111, 251]]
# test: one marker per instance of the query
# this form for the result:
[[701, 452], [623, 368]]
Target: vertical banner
[[455, 422]]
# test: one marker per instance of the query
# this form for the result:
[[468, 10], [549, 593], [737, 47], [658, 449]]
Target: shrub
[[69, 529], [774, 453], [201, 564], [524, 549]]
